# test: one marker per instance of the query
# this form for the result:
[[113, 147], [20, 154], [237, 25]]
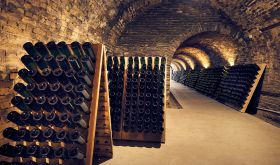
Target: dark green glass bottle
[[64, 49], [28, 62]]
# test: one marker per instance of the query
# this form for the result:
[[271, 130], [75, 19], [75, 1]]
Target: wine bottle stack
[[115, 74], [209, 80], [236, 84], [192, 79], [53, 102]]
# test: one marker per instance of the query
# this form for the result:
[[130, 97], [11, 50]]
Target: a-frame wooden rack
[[99, 133]]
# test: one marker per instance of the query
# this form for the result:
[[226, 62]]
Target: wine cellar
[[135, 82]]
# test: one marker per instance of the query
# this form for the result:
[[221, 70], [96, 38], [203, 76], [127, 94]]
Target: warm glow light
[[231, 63], [174, 66], [182, 63], [196, 53], [187, 59]]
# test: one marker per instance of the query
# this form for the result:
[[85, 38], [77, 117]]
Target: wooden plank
[[253, 88], [98, 48]]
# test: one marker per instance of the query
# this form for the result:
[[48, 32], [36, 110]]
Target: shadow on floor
[[100, 160], [173, 103], [136, 144]]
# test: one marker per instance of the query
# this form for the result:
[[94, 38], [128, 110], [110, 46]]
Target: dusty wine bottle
[[29, 48], [53, 119], [85, 77], [41, 49], [81, 104], [14, 117], [35, 75], [27, 118], [83, 91], [32, 88], [28, 62], [62, 136], [40, 119], [88, 64], [75, 63], [66, 120], [23, 74], [89, 51], [31, 103], [46, 152], [21, 151], [40, 62], [76, 137], [62, 62], [78, 120], [61, 153], [33, 150], [20, 88], [69, 89], [70, 74], [43, 103], [11, 133], [37, 135], [75, 153], [64, 49], [50, 60], [77, 49], [57, 89], [43, 89], [23, 134], [53, 48], [60, 75], [8, 150], [48, 76], [56, 103], [68, 104], [19, 103], [50, 135]]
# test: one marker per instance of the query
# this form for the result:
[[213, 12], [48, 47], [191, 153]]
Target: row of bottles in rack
[[143, 105], [53, 102]]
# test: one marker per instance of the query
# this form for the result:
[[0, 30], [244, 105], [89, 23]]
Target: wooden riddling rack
[[98, 134], [127, 87], [228, 85]]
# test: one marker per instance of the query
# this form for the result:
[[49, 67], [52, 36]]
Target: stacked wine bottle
[[53, 102], [142, 110]]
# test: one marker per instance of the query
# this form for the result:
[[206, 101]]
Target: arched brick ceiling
[[181, 62], [161, 29], [188, 60]]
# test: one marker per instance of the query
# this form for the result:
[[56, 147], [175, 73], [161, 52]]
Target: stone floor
[[204, 132]]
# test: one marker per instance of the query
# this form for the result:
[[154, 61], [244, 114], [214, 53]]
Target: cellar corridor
[[205, 132]]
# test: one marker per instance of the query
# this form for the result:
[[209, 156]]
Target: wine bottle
[[8, 150], [77, 49], [40, 62], [11, 133], [64, 49], [51, 62], [89, 51], [32, 88], [23, 74], [68, 104], [14, 117], [20, 88], [21, 151], [69, 89], [31, 103], [85, 77], [57, 89], [43, 89], [37, 135], [81, 104], [70, 74], [61, 153], [78, 120], [53, 119], [28, 62], [66, 120], [42, 49], [24, 134], [60, 75], [53, 48], [46, 152], [75, 63], [55, 103], [75, 153], [33, 150], [35, 75], [29, 48], [43, 103], [50, 135], [62, 136], [48, 76], [88, 64], [27, 118], [83, 91], [76, 137], [30, 162], [40, 119], [62, 62], [19, 103]]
